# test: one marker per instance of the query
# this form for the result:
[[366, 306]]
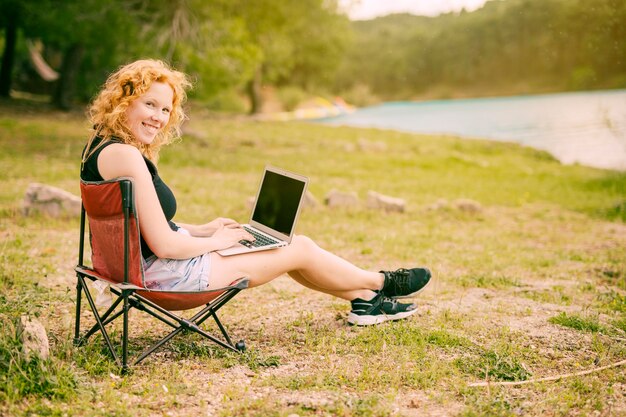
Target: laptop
[[275, 212]]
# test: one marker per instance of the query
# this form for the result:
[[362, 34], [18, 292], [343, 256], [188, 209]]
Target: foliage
[[514, 46], [200, 38], [100, 29], [291, 96], [220, 43]]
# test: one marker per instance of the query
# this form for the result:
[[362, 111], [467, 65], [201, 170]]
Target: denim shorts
[[178, 274]]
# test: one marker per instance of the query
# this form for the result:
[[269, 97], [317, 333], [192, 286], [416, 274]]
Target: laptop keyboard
[[260, 240]]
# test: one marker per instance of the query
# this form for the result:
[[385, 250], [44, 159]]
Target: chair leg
[[96, 315], [130, 299], [192, 324], [106, 318], [79, 290], [126, 307], [222, 329]]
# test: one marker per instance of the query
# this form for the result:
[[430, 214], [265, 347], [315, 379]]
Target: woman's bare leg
[[346, 295], [310, 264]]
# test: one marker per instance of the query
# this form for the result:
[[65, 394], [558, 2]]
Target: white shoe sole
[[357, 320]]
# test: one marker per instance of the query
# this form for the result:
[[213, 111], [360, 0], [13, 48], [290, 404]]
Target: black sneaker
[[404, 283], [378, 310]]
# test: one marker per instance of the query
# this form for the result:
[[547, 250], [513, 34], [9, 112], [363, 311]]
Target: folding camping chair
[[116, 261]]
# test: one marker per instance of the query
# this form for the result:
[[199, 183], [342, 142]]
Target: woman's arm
[[119, 160]]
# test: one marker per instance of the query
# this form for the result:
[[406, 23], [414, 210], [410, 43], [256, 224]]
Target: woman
[[139, 110]]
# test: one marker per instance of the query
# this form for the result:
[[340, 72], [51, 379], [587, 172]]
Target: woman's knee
[[303, 242]]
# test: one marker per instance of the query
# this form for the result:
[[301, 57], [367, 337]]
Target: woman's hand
[[227, 235], [221, 222], [207, 229]]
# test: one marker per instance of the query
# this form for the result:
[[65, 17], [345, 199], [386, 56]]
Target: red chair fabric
[[103, 203]]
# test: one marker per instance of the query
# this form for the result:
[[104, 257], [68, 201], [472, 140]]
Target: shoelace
[[400, 279]]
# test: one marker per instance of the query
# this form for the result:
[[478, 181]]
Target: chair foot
[[240, 346], [78, 341]]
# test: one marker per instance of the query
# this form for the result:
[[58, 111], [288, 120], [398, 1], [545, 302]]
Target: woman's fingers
[[234, 233]]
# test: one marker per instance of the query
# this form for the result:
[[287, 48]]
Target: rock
[[250, 203], [440, 204], [34, 338], [467, 205], [369, 146], [379, 201], [188, 130], [349, 147], [52, 201], [309, 200], [340, 199]]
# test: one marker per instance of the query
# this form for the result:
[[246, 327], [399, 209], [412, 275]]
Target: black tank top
[[167, 199]]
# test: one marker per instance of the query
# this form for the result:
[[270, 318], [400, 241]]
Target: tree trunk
[[66, 86], [8, 57], [254, 92]]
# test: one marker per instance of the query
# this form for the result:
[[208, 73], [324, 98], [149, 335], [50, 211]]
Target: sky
[[369, 9]]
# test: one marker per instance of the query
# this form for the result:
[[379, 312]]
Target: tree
[[10, 18], [93, 37], [13, 14], [79, 30], [510, 46], [203, 40], [301, 42]]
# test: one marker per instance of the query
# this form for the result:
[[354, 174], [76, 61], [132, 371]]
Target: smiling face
[[147, 115]]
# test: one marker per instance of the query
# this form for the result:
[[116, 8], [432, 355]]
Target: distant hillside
[[511, 46]]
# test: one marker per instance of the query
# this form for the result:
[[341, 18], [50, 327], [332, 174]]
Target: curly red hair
[[107, 112]]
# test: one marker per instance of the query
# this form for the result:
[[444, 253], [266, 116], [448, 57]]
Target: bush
[[360, 95], [228, 102], [290, 97]]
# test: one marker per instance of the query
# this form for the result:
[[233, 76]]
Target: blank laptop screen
[[277, 203]]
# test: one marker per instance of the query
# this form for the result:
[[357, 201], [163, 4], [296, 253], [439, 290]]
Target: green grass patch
[[23, 377], [583, 324], [494, 365], [613, 301], [556, 295]]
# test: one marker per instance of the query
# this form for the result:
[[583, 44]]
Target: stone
[[336, 198], [191, 132], [250, 203], [34, 338], [309, 200], [467, 205], [51, 201], [440, 204], [349, 147], [369, 146], [384, 202]]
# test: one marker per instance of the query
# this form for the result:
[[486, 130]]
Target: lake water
[[587, 127]]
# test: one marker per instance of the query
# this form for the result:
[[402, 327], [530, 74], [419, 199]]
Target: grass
[[584, 324], [531, 284]]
